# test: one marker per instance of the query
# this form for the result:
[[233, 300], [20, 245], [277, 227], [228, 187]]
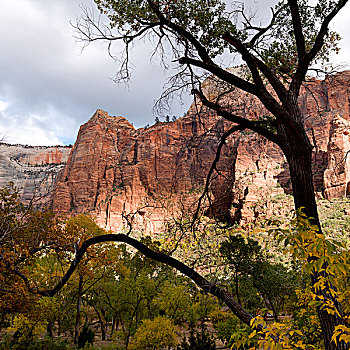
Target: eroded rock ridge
[[149, 176]]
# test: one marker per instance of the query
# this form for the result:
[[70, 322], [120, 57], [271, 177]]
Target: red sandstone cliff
[[115, 170], [151, 175]]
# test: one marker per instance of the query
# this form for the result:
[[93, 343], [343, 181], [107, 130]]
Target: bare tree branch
[[213, 167], [199, 280], [303, 64], [298, 31], [243, 122]]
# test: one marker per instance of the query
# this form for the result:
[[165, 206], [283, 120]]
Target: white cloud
[[47, 128], [48, 88], [3, 105], [341, 25], [44, 72], [27, 135]]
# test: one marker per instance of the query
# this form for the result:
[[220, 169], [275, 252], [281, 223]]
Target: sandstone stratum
[[149, 176], [32, 169]]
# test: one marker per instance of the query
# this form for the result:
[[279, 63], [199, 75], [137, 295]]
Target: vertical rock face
[[145, 175], [32, 169], [337, 174], [148, 176], [332, 135]]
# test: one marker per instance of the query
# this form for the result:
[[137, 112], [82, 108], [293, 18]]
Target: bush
[[49, 344], [86, 336], [155, 334]]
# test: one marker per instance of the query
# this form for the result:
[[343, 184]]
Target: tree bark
[[237, 288], [49, 327], [300, 167]]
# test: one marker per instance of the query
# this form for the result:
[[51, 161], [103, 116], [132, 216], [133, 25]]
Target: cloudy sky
[[49, 86]]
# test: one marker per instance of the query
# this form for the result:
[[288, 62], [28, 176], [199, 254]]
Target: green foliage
[[241, 253], [126, 287], [225, 325], [328, 261], [193, 248], [49, 344], [154, 334], [27, 326], [26, 236], [281, 52], [207, 20], [36, 344], [267, 121], [10, 207], [25, 332], [175, 301], [335, 218], [274, 282], [203, 304], [83, 226], [305, 318]]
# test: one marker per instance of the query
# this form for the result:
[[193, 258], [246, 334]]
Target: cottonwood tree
[[200, 35]]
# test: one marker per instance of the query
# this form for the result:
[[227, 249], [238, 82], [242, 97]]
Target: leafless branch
[[213, 168]]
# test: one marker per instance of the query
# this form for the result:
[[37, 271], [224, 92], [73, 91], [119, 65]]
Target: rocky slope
[[148, 176], [31, 169]]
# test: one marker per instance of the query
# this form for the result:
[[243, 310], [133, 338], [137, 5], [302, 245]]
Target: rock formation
[[32, 169], [337, 174], [150, 175], [147, 177]]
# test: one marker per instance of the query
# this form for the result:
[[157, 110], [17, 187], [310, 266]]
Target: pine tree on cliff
[[277, 57]]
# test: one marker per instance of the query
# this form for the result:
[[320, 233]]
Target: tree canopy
[[57, 272]]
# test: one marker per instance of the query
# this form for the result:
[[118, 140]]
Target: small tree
[[242, 256], [197, 341]]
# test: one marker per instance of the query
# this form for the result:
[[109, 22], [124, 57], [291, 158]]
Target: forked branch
[[243, 122]]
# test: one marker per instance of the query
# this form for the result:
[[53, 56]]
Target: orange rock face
[[148, 176], [145, 175], [337, 174]]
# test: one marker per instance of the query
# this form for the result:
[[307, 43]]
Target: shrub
[[86, 336], [154, 334]]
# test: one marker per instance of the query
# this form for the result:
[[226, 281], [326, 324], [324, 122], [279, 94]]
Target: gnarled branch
[[199, 280]]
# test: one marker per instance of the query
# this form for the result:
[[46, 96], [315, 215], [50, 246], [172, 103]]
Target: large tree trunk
[[300, 166]]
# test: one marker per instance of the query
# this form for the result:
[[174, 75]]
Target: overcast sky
[[48, 87]]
